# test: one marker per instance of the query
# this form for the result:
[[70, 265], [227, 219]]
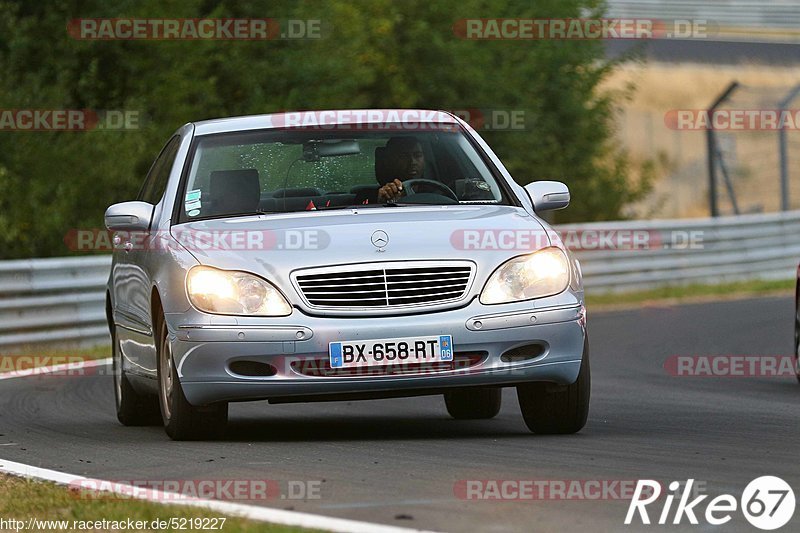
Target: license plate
[[352, 354]]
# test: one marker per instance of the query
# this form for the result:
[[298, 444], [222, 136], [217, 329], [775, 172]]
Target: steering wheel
[[436, 184]]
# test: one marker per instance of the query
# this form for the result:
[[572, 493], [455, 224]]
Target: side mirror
[[129, 216], [548, 195]]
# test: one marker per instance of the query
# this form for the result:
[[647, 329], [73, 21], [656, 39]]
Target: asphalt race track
[[396, 461], [710, 51]]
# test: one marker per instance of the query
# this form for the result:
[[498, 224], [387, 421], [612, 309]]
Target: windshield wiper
[[361, 206], [252, 213], [234, 215]]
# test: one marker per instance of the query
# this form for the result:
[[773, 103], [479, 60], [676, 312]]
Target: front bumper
[[203, 352]]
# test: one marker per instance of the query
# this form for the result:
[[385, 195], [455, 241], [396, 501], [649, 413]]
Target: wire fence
[[753, 166], [756, 165]]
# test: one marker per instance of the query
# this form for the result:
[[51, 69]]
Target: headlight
[[234, 293], [540, 274]]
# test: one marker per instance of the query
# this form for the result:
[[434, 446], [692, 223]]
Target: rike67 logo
[[767, 502]]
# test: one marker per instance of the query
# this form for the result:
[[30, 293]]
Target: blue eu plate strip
[[336, 354]]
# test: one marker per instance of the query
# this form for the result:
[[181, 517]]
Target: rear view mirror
[[129, 216], [548, 195], [314, 150]]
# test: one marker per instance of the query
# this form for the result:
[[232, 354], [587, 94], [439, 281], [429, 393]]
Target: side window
[[156, 182]]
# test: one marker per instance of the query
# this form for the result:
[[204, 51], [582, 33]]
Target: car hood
[[275, 245]]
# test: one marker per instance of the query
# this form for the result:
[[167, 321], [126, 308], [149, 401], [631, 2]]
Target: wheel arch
[[109, 313], [156, 310]]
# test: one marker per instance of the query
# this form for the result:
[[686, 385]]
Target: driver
[[407, 160]]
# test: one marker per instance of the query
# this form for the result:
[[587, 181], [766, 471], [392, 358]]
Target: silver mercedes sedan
[[341, 255]]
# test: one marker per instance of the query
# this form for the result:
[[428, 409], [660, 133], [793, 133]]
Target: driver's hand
[[391, 191]]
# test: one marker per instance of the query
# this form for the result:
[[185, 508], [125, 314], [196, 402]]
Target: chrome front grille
[[386, 285]]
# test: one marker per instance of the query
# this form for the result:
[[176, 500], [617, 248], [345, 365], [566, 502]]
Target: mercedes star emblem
[[380, 239]]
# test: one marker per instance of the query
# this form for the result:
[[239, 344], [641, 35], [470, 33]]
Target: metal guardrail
[[61, 300], [766, 14], [725, 249]]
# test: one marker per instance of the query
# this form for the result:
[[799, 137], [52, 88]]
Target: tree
[[379, 53]]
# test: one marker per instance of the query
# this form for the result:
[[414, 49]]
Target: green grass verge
[[59, 354], [22, 499], [692, 292]]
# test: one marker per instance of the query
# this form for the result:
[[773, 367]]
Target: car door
[[133, 297]]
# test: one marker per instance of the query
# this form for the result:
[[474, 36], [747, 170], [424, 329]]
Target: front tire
[[182, 420], [473, 404], [557, 409], [133, 409]]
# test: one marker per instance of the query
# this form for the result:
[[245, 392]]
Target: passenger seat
[[234, 191]]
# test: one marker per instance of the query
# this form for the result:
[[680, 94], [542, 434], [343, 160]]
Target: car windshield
[[281, 171]]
